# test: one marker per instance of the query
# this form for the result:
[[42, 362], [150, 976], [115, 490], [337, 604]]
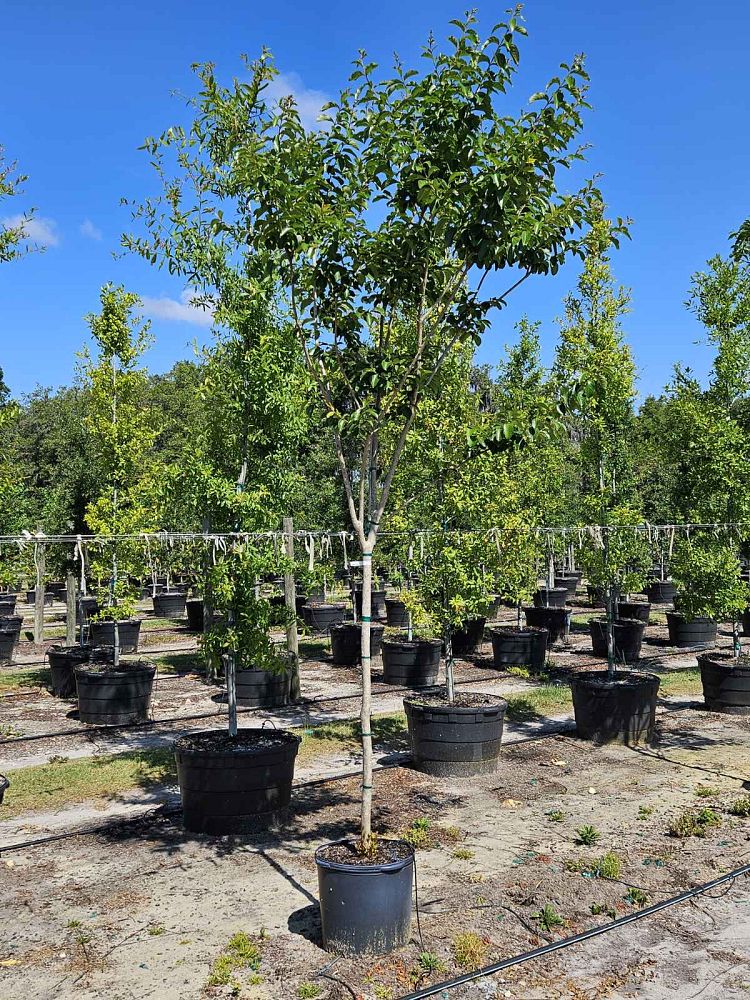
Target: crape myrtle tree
[[123, 432], [378, 231], [593, 358]]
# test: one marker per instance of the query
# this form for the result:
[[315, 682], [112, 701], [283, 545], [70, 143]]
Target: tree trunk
[[290, 599], [366, 712], [449, 682], [39, 565], [70, 616]]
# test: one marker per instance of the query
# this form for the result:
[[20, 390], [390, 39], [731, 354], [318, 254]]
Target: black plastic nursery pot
[[468, 638], [519, 647], [346, 642], [365, 904], [322, 617], [62, 663], [569, 581], [595, 596], [262, 688], [7, 604], [411, 663], [683, 632], [13, 623], [8, 640], [85, 608], [4, 786], [555, 620], [550, 597], [615, 710], [114, 696], [49, 598], [396, 614], [455, 740], [194, 609], [628, 637], [746, 621], [235, 785], [378, 603], [57, 589], [661, 592], [726, 683], [170, 604], [634, 609], [129, 631]]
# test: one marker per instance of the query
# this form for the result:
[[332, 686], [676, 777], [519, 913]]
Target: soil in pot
[[114, 696], [619, 710], [378, 603], [661, 592], [555, 620], [62, 661], [634, 609], [726, 683], [396, 614], [514, 646], [194, 609], [550, 597], [459, 739], [170, 604], [346, 642], [321, 617], [262, 688], [103, 634], [235, 785], [696, 632], [628, 636], [468, 638], [411, 663], [365, 902]]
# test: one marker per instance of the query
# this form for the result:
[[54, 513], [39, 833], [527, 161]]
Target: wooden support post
[[39, 559], [71, 601], [290, 599]]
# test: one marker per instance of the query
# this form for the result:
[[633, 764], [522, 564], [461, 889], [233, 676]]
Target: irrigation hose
[[548, 949]]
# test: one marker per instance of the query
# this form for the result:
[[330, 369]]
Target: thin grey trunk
[[39, 565], [71, 588], [290, 599], [450, 689]]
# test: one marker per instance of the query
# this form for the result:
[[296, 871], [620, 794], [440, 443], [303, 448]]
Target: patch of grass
[[644, 812], [694, 823], [608, 865], [156, 930], [706, 791], [308, 991], [418, 834], [548, 917], [452, 834], [741, 806], [50, 786], [519, 672], [429, 962], [537, 702], [636, 897], [313, 648], [388, 729], [179, 663], [556, 816], [685, 682], [11, 680], [463, 854], [587, 836], [241, 954], [8, 732], [381, 992], [469, 950]]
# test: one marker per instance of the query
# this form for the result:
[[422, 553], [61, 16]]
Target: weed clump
[[741, 806], [241, 954], [587, 836], [548, 917], [469, 950], [694, 823]]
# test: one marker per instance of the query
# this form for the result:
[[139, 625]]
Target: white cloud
[[183, 311], [36, 229], [309, 102], [88, 229]]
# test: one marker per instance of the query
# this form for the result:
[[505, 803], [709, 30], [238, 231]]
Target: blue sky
[[86, 80]]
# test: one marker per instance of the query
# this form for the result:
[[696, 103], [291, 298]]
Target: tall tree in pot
[[383, 230]]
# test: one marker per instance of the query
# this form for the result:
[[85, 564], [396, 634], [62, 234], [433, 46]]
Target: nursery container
[[700, 632], [262, 688], [619, 710], [726, 683], [396, 614], [569, 581], [595, 596], [411, 663], [467, 639], [194, 609], [114, 696], [555, 620], [7, 604], [455, 740], [378, 603], [365, 908], [321, 617], [170, 604], [661, 592], [550, 597], [346, 642], [129, 629], [8, 640], [4, 786], [62, 662], [634, 609], [628, 636], [235, 785], [13, 623], [519, 647], [31, 597], [85, 608]]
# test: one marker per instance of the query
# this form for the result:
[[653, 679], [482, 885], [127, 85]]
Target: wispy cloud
[[90, 231], [36, 229], [309, 102], [184, 310]]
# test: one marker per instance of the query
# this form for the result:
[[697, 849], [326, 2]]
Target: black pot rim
[[516, 630], [71, 652], [411, 643], [600, 679], [698, 620], [601, 620], [723, 661], [87, 670], [120, 621], [374, 869], [284, 737], [496, 703], [323, 604], [356, 625], [551, 590]]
